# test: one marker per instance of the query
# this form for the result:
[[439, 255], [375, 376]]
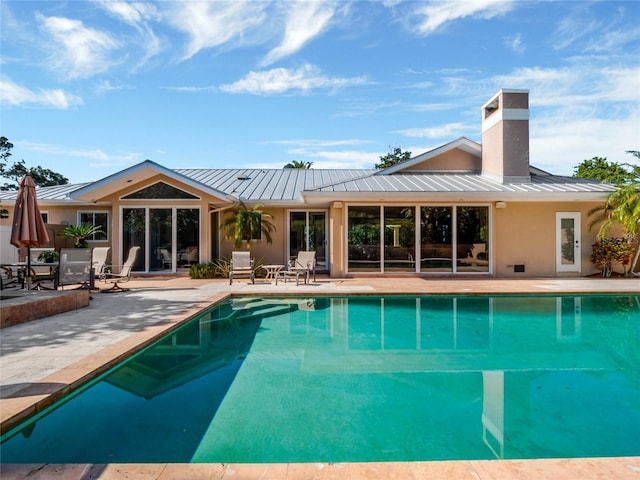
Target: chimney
[[505, 137]]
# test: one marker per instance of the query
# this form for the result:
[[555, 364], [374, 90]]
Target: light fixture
[[501, 204]]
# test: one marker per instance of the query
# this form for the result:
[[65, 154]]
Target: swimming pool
[[363, 378]]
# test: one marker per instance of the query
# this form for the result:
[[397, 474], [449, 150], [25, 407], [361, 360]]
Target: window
[[100, 219], [45, 216]]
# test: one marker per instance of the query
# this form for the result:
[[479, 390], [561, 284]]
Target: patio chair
[[99, 261], [9, 277], [124, 275], [303, 264], [165, 255], [75, 267], [241, 266], [42, 273]]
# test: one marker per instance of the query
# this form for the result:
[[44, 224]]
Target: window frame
[[93, 213]]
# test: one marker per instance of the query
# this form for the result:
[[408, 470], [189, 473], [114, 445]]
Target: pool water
[[353, 379]]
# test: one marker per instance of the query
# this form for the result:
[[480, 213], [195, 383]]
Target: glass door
[[568, 242], [308, 231], [168, 237]]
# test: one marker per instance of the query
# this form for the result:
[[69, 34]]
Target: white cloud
[[558, 146], [95, 157], [77, 51], [443, 131], [515, 44], [211, 24], [280, 80], [438, 13], [139, 16], [305, 20], [12, 94]]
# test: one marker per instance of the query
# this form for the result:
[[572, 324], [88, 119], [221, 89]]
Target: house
[[463, 208]]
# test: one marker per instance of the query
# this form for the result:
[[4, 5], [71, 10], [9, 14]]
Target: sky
[[90, 88]]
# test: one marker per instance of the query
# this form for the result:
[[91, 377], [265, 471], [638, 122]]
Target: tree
[[622, 207], [245, 224], [392, 158], [298, 164], [81, 232], [42, 177], [598, 168]]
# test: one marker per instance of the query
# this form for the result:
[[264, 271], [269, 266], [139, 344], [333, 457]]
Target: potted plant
[[48, 256], [246, 224], [81, 233]]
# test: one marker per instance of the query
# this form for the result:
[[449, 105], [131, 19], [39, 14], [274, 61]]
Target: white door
[[568, 242]]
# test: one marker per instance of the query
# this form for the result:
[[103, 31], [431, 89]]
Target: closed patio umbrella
[[28, 230]]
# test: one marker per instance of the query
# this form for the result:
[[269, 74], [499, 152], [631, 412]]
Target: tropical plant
[[246, 224], [81, 233], [298, 164], [394, 157], [48, 256], [608, 251]]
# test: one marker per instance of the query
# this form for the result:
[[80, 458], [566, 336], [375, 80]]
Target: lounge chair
[[241, 266], [303, 264], [124, 275]]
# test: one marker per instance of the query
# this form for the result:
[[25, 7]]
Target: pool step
[[265, 308]]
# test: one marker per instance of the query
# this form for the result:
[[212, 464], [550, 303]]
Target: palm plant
[[81, 232], [298, 164], [245, 224], [623, 208]]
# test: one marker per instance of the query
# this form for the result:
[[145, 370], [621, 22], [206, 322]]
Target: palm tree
[[623, 208], [247, 224], [298, 164]]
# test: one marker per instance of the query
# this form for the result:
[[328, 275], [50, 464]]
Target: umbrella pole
[[28, 274]]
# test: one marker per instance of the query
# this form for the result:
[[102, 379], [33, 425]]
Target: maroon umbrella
[[28, 229]]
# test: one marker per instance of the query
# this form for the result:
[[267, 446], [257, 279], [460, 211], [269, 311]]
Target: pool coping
[[38, 396]]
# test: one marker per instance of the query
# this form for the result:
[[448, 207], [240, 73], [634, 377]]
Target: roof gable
[[461, 155]]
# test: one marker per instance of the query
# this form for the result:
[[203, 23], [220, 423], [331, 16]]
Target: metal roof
[[293, 184], [464, 183]]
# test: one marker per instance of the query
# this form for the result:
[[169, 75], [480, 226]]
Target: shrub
[[609, 251]]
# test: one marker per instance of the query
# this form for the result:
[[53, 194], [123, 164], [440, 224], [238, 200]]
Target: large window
[[453, 239], [99, 219], [436, 238], [364, 239], [472, 239], [399, 239]]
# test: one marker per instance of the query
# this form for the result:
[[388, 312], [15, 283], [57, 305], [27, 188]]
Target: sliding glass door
[[168, 237], [308, 231]]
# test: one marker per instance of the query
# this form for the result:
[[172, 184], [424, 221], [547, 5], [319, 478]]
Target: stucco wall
[[525, 234]]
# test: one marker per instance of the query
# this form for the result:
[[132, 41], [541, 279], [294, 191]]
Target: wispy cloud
[[515, 43], [280, 80], [435, 14], [95, 157], [77, 51], [139, 16], [443, 131], [305, 20], [211, 24], [12, 94]]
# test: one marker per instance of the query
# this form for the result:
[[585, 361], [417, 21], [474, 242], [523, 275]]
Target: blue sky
[[90, 88]]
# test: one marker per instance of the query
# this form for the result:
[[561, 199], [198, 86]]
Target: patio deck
[[87, 341]]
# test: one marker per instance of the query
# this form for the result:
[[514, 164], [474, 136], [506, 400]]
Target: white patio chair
[[303, 264], [241, 266], [124, 275]]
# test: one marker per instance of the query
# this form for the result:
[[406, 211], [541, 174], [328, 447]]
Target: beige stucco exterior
[[522, 225]]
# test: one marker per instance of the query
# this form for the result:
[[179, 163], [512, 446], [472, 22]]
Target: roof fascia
[[119, 180], [461, 143]]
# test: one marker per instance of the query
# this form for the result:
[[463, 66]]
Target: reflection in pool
[[363, 378]]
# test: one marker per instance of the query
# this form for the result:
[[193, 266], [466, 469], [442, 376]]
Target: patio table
[[273, 272]]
